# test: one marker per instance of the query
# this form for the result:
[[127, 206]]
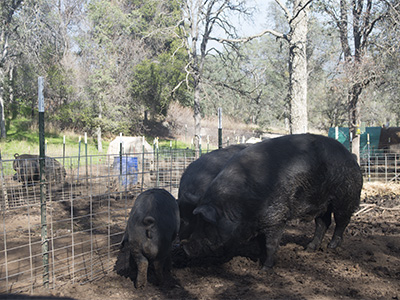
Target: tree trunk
[[197, 115], [355, 118], [298, 72], [362, 23], [7, 12], [3, 133], [11, 86], [99, 142]]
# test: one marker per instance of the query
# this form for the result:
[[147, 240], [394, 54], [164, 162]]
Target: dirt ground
[[366, 266]]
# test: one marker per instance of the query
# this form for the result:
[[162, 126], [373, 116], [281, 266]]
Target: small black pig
[[152, 227]]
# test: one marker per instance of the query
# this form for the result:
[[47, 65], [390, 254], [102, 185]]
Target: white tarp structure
[[253, 140], [130, 145], [137, 157]]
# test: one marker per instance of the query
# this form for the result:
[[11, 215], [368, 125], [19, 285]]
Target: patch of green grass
[[23, 138], [20, 130], [175, 144]]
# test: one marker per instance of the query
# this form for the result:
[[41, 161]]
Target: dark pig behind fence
[[27, 169], [152, 227], [292, 177], [195, 180]]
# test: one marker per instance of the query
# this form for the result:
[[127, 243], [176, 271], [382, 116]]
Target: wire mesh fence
[[380, 165], [87, 209], [86, 214]]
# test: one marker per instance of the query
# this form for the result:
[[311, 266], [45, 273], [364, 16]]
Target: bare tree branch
[[367, 31], [288, 15], [299, 10], [249, 38]]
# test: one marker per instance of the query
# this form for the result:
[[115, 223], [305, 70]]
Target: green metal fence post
[[79, 159], [143, 158], [170, 168], [199, 146], [4, 204], [120, 155], [157, 166], [64, 151], [369, 158], [45, 243], [120, 166], [219, 128], [86, 160]]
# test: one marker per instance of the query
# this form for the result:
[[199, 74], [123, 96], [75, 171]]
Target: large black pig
[[195, 180], [27, 169], [297, 176], [152, 226]]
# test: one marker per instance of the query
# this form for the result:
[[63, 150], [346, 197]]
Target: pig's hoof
[[312, 247], [335, 242], [140, 284], [266, 271]]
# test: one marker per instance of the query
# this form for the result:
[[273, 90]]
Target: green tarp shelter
[[342, 135]]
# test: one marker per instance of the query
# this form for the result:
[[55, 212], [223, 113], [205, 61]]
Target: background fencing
[[87, 212], [86, 215], [380, 165]]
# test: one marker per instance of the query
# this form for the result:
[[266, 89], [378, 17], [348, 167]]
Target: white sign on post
[[40, 94]]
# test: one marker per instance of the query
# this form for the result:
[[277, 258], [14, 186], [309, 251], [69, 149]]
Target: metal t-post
[[45, 243], [86, 160], [219, 128]]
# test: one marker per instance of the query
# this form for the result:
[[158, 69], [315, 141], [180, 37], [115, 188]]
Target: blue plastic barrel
[[129, 169]]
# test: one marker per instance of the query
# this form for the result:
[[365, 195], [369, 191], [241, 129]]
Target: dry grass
[[182, 116], [378, 189], [180, 119]]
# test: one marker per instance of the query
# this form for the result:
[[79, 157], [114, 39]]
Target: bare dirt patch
[[367, 265]]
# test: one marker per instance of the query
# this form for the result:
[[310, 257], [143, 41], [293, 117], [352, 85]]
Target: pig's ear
[[192, 198], [149, 223], [208, 213]]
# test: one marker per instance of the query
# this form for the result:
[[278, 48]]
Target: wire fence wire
[[380, 165], [86, 214], [87, 210]]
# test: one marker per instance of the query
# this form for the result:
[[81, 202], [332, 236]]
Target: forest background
[[112, 66]]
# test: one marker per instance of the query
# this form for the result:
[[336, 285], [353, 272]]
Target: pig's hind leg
[[341, 220], [322, 223]]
